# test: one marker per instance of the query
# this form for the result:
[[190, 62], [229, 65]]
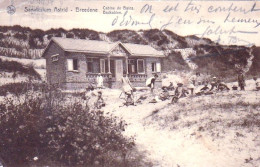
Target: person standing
[[127, 88], [192, 82], [99, 81], [150, 82], [241, 80], [214, 84]]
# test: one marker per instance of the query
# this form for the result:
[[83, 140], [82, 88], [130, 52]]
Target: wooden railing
[[137, 77], [93, 76], [107, 77]]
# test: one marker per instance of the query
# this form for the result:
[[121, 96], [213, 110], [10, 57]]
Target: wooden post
[[126, 62], [108, 62]]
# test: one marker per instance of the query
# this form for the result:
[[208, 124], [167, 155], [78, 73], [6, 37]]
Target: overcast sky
[[181, 17]]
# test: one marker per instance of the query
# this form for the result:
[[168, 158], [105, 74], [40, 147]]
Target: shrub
[[19, 88], [38, 124]]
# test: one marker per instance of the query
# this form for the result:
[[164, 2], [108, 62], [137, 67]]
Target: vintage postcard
[[129, 83]]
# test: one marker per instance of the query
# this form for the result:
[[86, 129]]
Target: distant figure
[[127, 89], [257, 83], [100, 101], [205, 88], [164, 95], [99, 81], [241, 80], [222, 86], [127, 86], [180, 91], [129, 99], [150, 82], [90, 85], [86, 97], [170, 87], [213, 83], [192, 82]]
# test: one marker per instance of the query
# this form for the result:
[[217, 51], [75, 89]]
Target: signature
[[129, 20]]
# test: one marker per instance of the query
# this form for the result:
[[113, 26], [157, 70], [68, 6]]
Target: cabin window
[[131, 66], [72, 64], [156, 67], [90, 65], [54, 57], [153, 67], [102, 66], [140, 66]]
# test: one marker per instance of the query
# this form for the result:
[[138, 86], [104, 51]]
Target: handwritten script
[[223, 20]]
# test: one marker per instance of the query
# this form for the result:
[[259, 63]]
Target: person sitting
[[257, 85], [170, 87], [180, 91], [129, 100], [222, 86], [205, 88], [164, 95], [100, 101], [214, 84]]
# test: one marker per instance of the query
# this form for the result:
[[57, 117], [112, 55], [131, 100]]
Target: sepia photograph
[[129, 83]]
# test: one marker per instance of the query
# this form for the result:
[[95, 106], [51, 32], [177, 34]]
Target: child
[[129, 99], [164, 95], [100, 101], [180, 91]]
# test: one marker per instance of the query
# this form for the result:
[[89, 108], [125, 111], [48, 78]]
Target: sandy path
[[165, 147]]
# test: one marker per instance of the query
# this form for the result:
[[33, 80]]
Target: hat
[[155, 75], [214, 77], [164, 87], [179, 84]]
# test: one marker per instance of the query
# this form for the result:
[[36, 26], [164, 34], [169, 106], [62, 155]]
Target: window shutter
[[158, 67], [70, 64]]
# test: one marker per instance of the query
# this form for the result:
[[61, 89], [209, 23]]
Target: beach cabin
[[74, 63]]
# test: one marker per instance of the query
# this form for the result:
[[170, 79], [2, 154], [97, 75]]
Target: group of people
[[180, 91]]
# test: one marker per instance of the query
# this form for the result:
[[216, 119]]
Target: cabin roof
[[103, 47]]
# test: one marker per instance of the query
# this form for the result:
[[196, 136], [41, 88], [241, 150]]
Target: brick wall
[[149, 62], [55, 71], [80, 74]]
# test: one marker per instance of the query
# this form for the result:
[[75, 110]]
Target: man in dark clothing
[[241, 80]]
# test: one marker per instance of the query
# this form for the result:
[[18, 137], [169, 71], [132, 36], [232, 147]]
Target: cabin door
[[118, 69]]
